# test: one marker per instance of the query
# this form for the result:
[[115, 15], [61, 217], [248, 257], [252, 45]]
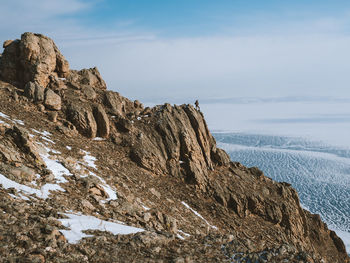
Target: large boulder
[[32, 58], [52, 100], [116, 103], [82, 118]]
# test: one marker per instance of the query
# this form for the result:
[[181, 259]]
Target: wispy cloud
[[289, 58]]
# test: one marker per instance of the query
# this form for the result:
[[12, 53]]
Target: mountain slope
[[77, 159]]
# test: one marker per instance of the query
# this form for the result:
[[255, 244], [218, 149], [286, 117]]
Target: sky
[[181, 50]]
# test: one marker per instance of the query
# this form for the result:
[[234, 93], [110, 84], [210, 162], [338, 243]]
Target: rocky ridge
[[70, 149]]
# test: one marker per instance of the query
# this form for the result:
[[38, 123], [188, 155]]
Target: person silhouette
[[197, 105]]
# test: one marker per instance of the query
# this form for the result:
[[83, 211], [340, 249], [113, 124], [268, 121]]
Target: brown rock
[[33, 58], [7, 43], [89, 93], [53, 116], [87, 205], [82, 118], [102, 121], [86, 78], [95, 191], [37, 258], [138, 104], [34, 91], [115, 102], [52, 100]]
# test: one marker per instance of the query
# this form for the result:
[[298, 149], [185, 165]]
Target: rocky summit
[[86, 175]]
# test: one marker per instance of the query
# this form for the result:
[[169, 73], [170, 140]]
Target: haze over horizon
[[181, 50]]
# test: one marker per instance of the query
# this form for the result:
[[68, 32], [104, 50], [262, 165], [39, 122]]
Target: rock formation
[[68, 145]]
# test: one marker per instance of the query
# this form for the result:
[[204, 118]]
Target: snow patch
[[43, 133], [4, 115], [43, 193], [111, 193], [68, 148], [78, 223], [145, 207], [48, 140], [20, 122], [57, 169], [89, 159], [197, 214], [98, 139], [182, 235]]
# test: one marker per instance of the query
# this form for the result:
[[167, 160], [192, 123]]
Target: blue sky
[[185, 49]]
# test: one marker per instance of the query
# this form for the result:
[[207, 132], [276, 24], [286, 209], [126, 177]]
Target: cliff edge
[[74, 153]]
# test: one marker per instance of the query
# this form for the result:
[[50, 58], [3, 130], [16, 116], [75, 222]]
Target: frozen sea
[[302, 141]]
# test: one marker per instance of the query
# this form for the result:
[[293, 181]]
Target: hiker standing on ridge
[[197, 105]]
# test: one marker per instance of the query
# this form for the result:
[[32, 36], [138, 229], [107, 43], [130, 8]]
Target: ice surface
[[345, 236], [311, 118], [48, 140], [320, 173], [78, 223], [302, 141]]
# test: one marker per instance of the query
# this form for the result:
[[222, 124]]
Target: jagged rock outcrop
[[102, 121], [32, 58], [181, 144], [86, 78], [153, 168], [34, 91], [83, 119]]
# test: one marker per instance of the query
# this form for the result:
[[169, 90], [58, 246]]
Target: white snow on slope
[[78, 223], [197, 214], [57, 169], [98, 139], [89, 159], [44, 192], [107, 188], [182, 235], [2, 115]]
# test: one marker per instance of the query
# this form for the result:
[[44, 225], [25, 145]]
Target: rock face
[[156, 168], [86, 78], [33, 58], [34, 91], [102, 121], [83, 119], [181, 145]]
